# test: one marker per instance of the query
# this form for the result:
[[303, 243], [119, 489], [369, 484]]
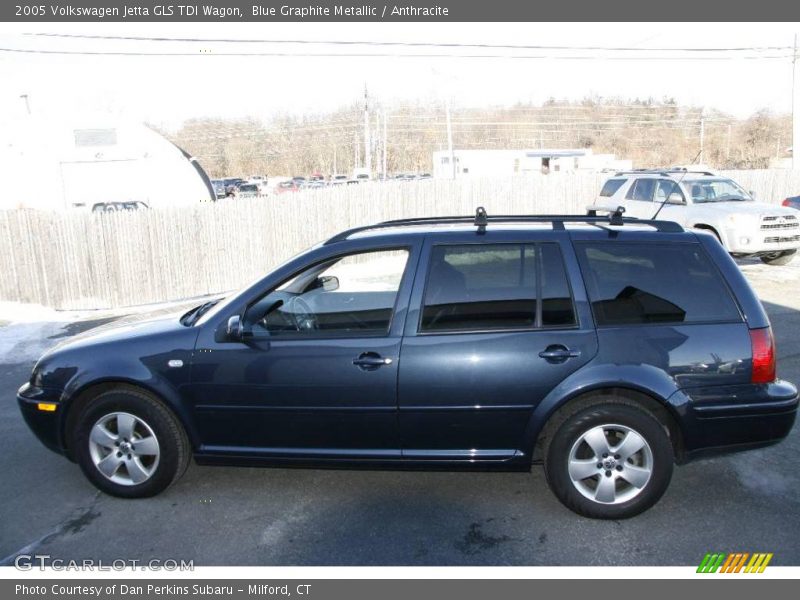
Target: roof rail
[[662, 172], [482, 220]]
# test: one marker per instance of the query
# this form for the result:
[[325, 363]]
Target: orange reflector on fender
[[47, 406]]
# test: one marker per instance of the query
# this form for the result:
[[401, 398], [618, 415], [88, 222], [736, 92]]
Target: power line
[[383, 55], [409, 44]]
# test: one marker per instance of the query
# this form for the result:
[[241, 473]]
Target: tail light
[[763, 346], [786, 202]]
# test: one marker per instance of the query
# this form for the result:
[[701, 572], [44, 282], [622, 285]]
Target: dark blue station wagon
[[606, 349]]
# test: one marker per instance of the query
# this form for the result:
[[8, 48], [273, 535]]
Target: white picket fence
[[83, 260]]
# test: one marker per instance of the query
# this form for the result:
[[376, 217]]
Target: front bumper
[[45, 424], [724, 419], [757, 241]]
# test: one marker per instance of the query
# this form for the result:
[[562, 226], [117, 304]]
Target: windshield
[[716, 190]]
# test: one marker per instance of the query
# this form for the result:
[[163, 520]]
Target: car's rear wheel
[[128, 444], [779, 258], [609, 461]]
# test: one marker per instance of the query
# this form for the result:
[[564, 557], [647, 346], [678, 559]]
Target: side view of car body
[[702, 200], [439, 344]]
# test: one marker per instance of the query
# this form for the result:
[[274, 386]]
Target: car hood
[[125, 328], [748, 208]]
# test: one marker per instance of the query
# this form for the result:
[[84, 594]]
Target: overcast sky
[[167, 90]]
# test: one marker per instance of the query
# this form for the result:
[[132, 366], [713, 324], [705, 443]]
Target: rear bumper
[[46, 425], [727, 419]]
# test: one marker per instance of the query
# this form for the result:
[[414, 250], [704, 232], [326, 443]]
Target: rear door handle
[[558, 353], [371, 360]]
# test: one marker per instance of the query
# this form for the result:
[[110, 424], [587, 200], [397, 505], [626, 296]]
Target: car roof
[[404, 234], [674, 174]]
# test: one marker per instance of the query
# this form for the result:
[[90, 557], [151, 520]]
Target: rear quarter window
[[639, 283], [611, 186]]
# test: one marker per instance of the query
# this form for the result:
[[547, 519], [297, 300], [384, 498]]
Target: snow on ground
[[28, 330]]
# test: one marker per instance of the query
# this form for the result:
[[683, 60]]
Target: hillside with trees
[[650, 132]]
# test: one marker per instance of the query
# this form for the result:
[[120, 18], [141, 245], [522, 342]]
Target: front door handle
[[370, 361], [558, 353]]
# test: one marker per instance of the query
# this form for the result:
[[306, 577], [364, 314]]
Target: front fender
[[150, 373]]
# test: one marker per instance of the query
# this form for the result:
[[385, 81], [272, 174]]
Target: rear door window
[[642, 189], [665, 188], [611, 186], [638, 283], [475, 287]]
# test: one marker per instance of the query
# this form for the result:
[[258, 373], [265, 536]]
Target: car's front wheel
[[609, 461], [128, 444], [779, 258]]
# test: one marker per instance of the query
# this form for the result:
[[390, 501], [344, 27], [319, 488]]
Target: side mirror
[[752, 194], [675, 198], [235, 331], [330, 283]]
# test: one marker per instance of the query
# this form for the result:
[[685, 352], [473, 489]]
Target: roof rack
[[662, 172], [482, 220]]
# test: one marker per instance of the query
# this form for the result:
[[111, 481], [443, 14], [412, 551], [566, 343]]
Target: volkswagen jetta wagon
[[605, 349]]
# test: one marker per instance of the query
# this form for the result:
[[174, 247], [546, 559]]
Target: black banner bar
[[730, 588], [369, 11]]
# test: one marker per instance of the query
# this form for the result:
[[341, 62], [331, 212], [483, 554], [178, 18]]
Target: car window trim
[[344, 335], [537, 326], [715, 267]]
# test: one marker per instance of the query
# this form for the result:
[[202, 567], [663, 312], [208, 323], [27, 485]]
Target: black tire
[[779, 258], [623, 414], [174, 451]]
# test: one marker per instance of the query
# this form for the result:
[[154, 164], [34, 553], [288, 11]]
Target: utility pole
[[356, 147], [384, 145], [728, 148], [367, 141], [795, 109], [377, 145], [335, 171], [450, 140], [702, 135]]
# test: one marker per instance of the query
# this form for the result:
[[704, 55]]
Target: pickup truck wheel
[[779, 258], [609, 461], [129, 445]]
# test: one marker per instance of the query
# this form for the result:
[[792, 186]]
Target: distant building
[[76, 163], [491, 163]]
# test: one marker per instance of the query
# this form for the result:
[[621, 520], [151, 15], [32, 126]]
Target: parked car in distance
[[118, 206], [702, 200], [219, 188], [439, 343], [286, 186], [361, 174], [792, 202], [338, 179], [250, 190], [233, 182], [313, 184]]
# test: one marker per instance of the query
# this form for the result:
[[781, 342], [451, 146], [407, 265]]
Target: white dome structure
[[79, 161]]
